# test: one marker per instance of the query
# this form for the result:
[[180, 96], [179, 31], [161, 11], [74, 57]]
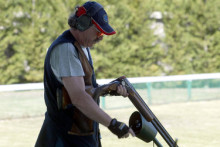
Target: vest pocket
[[82, 125]]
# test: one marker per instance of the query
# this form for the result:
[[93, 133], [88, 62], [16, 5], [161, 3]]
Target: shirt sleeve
[[65, 61]]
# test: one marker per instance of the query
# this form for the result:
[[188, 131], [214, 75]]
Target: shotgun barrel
[[145, 111]]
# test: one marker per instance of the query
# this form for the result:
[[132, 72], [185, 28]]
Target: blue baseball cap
[[99, 17]]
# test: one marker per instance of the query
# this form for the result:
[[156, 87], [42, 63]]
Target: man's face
[[91, 36]]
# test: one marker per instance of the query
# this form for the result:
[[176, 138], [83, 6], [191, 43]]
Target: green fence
[[167, 92], [22, 100]]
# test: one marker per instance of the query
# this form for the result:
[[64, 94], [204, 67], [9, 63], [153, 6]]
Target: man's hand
[[122, 91], [120, 129]]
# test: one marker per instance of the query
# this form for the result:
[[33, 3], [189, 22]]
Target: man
[[72, 115]]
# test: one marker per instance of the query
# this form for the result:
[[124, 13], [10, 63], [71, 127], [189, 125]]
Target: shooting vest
[[62, 119]]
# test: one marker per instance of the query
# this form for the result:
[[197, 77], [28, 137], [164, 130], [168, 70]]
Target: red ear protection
[[80, 11], [84, 17]]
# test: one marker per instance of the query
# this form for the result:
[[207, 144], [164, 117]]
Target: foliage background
[[190, 43]]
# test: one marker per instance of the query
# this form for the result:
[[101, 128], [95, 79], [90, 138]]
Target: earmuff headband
[[91, 12]]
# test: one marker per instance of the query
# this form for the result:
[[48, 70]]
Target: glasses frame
[[99, 33]]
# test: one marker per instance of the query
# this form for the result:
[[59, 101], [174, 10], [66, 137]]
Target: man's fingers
[[129, 132], [125, 136], [132, 132], [122, 91]]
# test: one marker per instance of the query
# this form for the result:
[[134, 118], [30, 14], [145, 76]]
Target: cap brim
[[106, 29], [100, 19]]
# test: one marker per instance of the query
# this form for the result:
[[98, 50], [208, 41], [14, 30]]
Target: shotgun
[[135, 98], [139, 103], [145, 111]]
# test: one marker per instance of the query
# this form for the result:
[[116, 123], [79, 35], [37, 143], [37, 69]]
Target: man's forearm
[[85, 103]]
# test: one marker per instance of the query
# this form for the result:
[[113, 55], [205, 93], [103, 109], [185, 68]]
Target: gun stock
[[109, 88], [145, 111], [64, 100]]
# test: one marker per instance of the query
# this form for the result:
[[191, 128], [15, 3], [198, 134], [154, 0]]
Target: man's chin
[[87, 45], [90, 45]]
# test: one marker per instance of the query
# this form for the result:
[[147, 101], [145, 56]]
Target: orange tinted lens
[[99, 34]]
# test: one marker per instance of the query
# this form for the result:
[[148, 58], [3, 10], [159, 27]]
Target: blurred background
[[171, 47]]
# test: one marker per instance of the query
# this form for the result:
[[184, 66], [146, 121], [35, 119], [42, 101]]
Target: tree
[[190, 44], [130, 52], [190, 30]]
